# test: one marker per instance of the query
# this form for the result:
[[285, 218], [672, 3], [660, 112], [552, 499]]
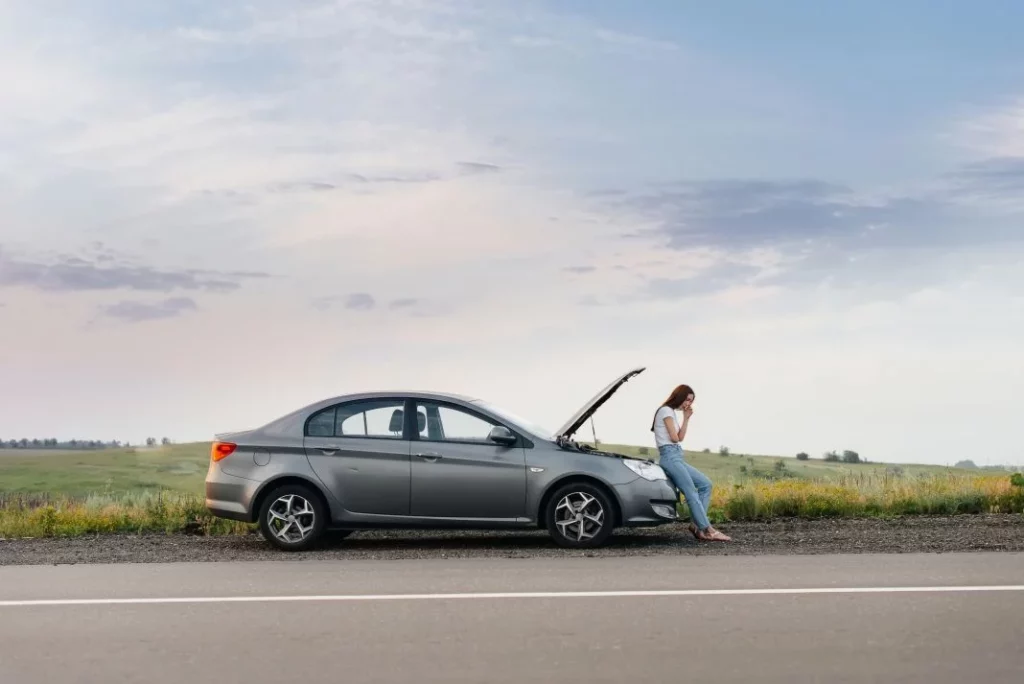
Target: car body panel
[[462, 475], [451, 480], [234, 484], [367, 475], [589, 408]]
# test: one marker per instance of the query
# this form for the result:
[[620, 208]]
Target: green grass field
[[182, 468], [177, 468]]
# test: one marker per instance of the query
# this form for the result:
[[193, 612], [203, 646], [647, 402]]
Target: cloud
[[535, 41], [634, 41], [418, 307], [309, 186], [746, 213], [364, 301], [472, 168], [957, 210], [75, 274], [138, 312], [357, 301], [360, 301], [1001, 173], [816, 233], [411, 178], [994, 132], [710, 281], [579, 269], [995, 183]]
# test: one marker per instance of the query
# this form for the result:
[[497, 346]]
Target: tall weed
[[865, 495], [136, 512], [860, 495]]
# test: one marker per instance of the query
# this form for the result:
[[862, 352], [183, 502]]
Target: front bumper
[[646, 503]]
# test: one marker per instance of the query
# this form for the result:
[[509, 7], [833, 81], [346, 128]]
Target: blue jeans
[[695, 485]]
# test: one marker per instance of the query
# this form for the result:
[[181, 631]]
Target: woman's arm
[[675, 433]]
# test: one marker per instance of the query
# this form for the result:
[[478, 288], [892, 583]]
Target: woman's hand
[[687, 412]]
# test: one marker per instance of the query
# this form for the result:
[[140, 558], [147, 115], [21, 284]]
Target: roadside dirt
[[781, 537]]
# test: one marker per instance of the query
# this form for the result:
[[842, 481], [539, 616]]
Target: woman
[[695, 486]]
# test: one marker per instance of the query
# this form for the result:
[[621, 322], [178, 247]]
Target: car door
[[457, 472], [360, 451]]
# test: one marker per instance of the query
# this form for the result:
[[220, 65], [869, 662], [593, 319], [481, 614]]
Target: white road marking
[[502, 595]]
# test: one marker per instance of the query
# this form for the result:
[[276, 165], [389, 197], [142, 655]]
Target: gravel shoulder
[[919, 534]]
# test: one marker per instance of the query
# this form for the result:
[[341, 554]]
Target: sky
[[212, 214]]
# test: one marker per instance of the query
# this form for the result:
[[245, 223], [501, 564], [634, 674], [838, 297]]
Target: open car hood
[[581, 416]]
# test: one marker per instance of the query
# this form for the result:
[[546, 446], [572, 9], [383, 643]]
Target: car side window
[[443, 423], [321, 424], [378, 418]]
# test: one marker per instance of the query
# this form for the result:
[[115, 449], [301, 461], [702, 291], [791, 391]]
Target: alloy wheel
[[291, 518], [579, 516]]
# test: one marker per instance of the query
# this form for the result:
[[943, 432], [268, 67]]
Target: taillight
[[221, 450]]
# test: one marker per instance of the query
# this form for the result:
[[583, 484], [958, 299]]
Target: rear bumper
[[646, 503], [230, 497], [225, 510]]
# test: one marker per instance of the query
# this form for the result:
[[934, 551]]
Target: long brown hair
[[675, 400]]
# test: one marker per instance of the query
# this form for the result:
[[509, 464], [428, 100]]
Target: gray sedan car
[[427, 460]]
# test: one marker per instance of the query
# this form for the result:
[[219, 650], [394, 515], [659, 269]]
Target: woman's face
[[688, 402]]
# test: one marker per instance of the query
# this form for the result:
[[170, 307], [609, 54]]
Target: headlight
[[645, 469]]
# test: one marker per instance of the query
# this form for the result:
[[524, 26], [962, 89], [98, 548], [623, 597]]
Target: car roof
[[414, 394]]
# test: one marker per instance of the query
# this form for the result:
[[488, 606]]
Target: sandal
[[714, 535]]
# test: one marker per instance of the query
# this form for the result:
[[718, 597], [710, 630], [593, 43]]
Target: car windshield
[[510, 417]]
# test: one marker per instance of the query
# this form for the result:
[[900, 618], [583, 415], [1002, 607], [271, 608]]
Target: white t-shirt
[[661, 436]]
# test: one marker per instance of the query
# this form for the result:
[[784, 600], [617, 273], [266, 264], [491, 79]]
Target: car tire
[[293, 518], [590, 521]]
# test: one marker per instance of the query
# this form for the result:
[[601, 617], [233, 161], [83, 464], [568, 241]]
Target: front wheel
[[580, 516], [292, 518]]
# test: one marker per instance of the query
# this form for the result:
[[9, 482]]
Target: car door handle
[[431, 456], [327, 450]]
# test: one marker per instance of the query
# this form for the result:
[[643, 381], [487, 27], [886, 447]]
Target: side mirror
[[502, 435]]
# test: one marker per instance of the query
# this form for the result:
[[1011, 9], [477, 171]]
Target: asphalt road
[[753, 619]]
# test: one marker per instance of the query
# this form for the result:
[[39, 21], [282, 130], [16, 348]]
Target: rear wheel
[[580, 516], [292, 518]]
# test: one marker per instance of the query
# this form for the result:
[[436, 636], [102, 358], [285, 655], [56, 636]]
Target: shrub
[[780, 466], [1017, 480], [831, 457], [141, 512], [723, 451], [873, 495], [851, 456], [802, 456]]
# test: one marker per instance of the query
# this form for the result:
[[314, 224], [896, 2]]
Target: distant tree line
[[72, 444], [834, 456], [846, 457]]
